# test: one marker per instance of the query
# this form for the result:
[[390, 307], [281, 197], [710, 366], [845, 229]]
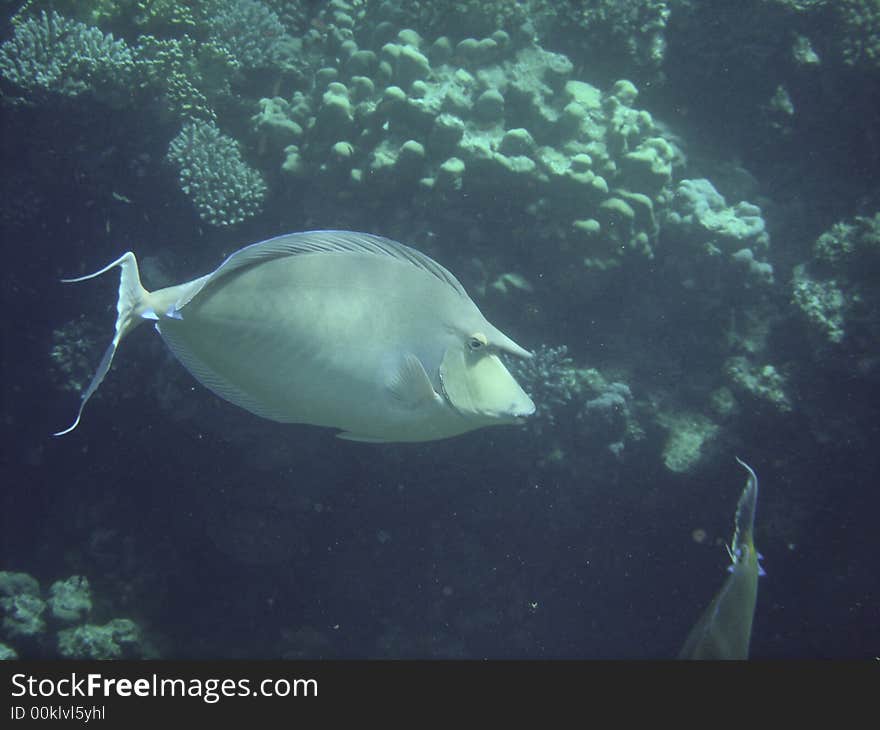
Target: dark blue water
[[224, 535]]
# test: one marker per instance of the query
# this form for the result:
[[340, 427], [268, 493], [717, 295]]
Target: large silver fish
[[332, 328]]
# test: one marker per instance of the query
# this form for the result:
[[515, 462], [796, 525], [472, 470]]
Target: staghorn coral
[[53, 54], [224, 189], [189, 75], [251, 31]]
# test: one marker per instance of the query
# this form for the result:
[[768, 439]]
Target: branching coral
[[53, 54], [223, 187]]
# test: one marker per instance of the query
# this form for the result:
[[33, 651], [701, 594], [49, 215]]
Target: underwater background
[[673, 203]]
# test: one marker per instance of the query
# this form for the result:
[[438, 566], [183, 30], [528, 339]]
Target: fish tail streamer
[[131, 308]]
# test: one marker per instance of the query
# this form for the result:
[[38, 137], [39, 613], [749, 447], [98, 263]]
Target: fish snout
[[522, 409]]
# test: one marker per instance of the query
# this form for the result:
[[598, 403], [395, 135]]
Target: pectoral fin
[[410, 385]]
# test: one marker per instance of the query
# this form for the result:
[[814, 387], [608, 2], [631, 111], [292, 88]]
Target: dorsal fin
[[744, 524], [295, 244]]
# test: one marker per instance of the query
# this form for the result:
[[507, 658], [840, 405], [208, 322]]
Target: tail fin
[[131, 308]]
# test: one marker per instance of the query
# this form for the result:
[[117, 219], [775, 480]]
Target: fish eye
[[477, 341]]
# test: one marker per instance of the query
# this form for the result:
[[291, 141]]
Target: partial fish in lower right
[[724, 631]]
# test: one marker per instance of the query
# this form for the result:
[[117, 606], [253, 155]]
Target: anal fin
[[349, 436]]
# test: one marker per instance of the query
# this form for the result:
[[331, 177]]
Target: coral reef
[[764, 384], [117, 639], [860, 41], [550, 379], [612, 33], [382, 102], [836, 292], [188, 75], [74, 349], [609, 414], [212, 172], [580, 413], [50, 53], [605, 174], [70, 600], [700, 219], [21, 605], [835, 304], [27, 626], [252, 33], [688, 436], [439, 122]]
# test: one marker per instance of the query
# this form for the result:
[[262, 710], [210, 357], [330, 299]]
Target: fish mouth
[[520, 416]]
